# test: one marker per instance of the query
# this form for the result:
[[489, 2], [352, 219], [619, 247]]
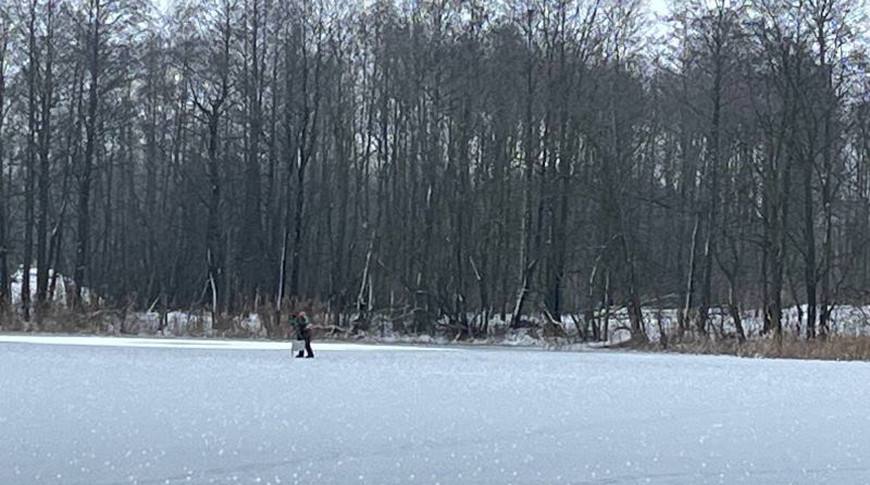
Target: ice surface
[[180, 413], [91, 341]]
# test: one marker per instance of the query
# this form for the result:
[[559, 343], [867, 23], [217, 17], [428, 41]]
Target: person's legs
[[308, 345], [300, 335]]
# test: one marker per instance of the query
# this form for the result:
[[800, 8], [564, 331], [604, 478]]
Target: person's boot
[[300, 354]]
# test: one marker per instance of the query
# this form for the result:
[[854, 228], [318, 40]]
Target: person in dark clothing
[[301, 324]]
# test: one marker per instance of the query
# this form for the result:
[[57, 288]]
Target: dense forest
[[460, 159]]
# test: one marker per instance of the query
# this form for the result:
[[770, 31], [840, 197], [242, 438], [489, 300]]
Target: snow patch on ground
[[63, 288], [179, 323]]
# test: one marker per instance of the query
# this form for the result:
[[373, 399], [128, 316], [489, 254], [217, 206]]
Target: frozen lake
[[100, 410]]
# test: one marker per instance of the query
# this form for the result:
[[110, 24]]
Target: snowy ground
[[99, 410]]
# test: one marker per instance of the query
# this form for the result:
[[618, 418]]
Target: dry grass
[[59, 320], [832, 348], [9, 322]]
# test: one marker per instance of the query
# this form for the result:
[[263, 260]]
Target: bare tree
[[4, 249], [45, 128]]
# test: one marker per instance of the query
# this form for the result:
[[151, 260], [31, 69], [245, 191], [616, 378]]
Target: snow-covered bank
[[382, 327], [845, 321], [398, 327], [99, 415]]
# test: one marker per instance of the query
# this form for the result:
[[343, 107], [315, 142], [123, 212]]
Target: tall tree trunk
[[527, 263], [690, 274], [42, 256], [4, 249], [214, 244], [86, 169], [298, 220], [30, 168], [810, 277], [824, 20], [714, 141]]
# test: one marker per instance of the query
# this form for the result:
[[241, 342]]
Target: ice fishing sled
[[296, 346]]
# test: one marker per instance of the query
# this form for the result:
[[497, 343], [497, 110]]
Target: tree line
[[458, 160]]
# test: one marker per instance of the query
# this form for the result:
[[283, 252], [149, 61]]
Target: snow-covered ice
[[226, 412], [169, 343]]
